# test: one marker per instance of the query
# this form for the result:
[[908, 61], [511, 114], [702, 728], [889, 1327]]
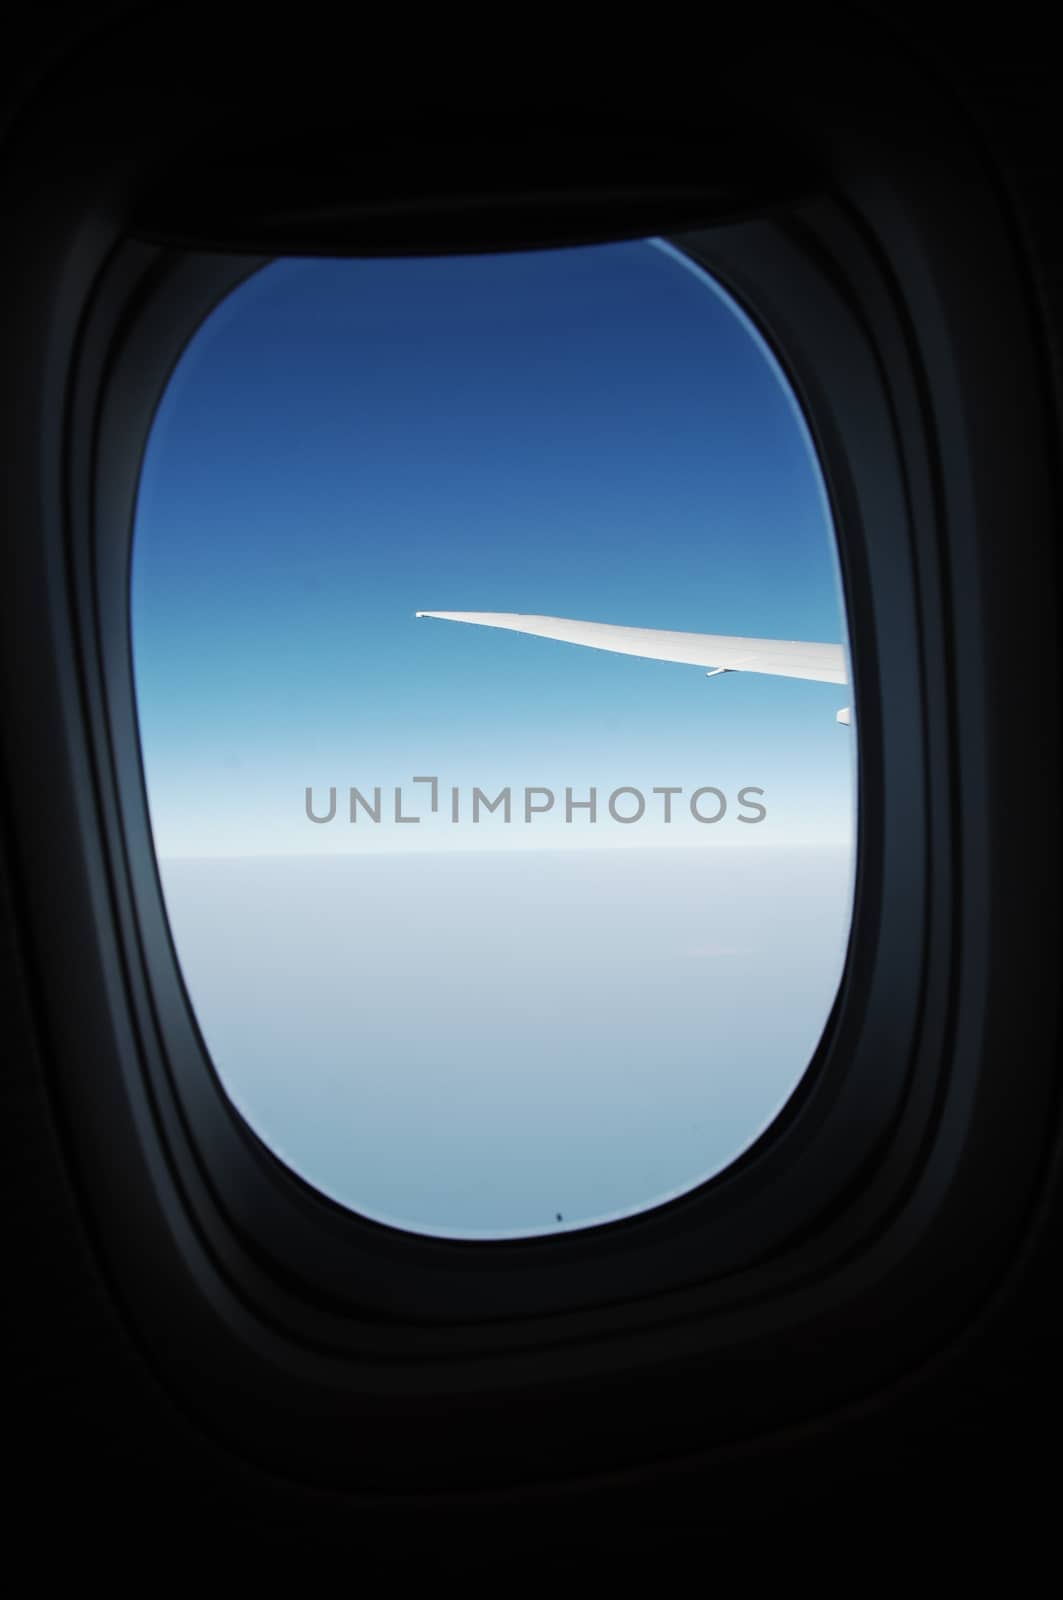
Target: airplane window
[[491, 669]]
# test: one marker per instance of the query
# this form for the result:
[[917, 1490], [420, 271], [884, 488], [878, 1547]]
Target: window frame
[[230, 1289], [709, 1232]]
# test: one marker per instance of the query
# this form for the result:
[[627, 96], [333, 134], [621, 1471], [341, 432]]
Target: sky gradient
[[596, 433]]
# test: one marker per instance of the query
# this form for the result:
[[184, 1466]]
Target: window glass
[[493, 933]]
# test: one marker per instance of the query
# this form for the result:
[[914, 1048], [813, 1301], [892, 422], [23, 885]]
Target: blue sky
[[593, 433], [466, 1030]]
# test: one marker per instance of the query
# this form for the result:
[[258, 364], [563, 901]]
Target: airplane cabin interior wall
[[856, 1331]]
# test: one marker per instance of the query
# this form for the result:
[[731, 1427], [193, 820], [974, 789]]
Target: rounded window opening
[[490, 662]]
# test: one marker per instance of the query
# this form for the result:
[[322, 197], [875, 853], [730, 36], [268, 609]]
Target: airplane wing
[[783, 658]]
